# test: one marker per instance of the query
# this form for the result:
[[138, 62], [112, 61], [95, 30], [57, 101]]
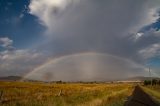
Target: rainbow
[[57, 59]]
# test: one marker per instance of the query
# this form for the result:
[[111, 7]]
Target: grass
[[78, 94], [154, 91]]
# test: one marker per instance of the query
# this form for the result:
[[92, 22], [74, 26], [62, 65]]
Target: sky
[[79, 40]]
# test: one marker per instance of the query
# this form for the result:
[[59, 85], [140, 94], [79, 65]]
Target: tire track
[[140, 98]]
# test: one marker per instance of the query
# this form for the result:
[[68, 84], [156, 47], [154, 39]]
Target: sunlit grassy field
[[154, 91], [71, 94]]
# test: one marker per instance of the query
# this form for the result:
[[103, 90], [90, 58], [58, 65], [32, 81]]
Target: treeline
[[152, 82], [63, 82]]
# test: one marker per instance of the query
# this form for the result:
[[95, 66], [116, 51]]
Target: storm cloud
[[95, 40], [102, 26]]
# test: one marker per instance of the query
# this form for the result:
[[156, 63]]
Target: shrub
[[154, 82]]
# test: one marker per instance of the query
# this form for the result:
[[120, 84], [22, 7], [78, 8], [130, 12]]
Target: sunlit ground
[[51, 94]]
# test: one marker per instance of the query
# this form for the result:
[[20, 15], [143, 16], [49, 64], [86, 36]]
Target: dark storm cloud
[[101, 26], [96, 26]]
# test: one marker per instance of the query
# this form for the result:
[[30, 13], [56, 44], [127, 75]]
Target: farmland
[[70, 94]]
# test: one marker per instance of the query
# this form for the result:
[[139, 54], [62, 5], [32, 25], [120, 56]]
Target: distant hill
[[140, 78], [10, 78], [17, 78], [131, 79]]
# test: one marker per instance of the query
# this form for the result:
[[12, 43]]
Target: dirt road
[[140, 98]]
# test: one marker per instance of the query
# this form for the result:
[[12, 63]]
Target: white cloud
[[151, 51], [48, 10], [19, 62], [138, 35], [6, 43]]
